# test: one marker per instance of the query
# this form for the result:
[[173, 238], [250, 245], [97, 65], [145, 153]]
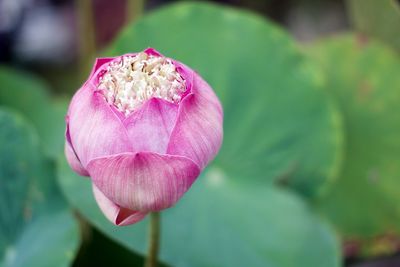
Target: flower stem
[[134, 9], [154, 240], [87, 34]]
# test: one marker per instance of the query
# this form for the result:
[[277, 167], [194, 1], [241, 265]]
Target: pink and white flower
[[143, 127]]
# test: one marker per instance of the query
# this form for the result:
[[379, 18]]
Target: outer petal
[[117, 215], [150, 127], [70, 154], [98, 64], [153, 52], [144, 181], [198, 130], [74, 161], [95, 130]]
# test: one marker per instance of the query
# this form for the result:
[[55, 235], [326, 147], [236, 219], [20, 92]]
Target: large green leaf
[[279, 125], [30, 96], [379, 19], [51, 125], [364, 78], [222, 222], [36, 228]]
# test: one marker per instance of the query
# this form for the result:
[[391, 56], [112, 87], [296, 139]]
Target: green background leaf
[[280, 126], [364, 79], [378, 19], [36, 227], [30, 96], [222, 222]]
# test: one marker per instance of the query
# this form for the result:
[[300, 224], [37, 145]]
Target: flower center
[[133, 80]]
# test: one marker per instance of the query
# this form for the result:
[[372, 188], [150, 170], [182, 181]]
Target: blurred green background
[[309, 171]]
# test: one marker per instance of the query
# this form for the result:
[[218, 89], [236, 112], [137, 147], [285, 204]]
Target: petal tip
[[115, 214], [153, 52]]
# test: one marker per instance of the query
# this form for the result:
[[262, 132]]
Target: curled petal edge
[[71, 156], [114, 213]]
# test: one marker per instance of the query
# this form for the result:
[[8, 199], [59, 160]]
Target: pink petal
[[71, 155], [98, 64], [187, 73], [117, 215], [144, 181], [198, 131], [95, 130], [153, 52], [150, 127]]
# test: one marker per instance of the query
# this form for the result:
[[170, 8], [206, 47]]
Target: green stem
[[134, 9], [396, 5], [87, 34], [154, 240]]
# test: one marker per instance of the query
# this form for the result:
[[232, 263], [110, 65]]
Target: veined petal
[[114, 213], [150, 127], [70, 154], [198, 131], [144, 181], [95, 130]]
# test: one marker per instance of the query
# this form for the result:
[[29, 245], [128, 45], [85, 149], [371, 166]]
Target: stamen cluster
[[133, 80]]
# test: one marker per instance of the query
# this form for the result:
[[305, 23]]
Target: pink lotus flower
[[143, 127]]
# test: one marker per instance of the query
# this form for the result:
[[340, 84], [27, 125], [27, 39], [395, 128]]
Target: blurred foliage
[[380, 19], [36, 227], [363, 77], [226, 224], [98, 250], [30, 96]]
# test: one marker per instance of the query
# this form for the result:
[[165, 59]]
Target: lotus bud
[[142, 127]]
